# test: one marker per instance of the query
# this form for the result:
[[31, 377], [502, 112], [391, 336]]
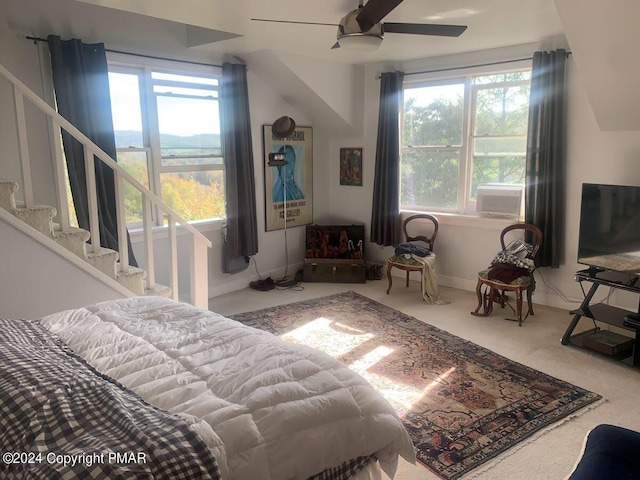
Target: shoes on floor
[[263, 285]]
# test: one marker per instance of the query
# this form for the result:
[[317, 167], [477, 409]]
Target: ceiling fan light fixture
[[351, 36], [361, 42]]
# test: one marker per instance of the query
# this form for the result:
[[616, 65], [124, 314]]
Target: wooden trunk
[[334, 254], [333, 271]]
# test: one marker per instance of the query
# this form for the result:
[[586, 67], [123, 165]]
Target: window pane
[[502, 111], [502, 77], [125, 106], [433, 115], [196, 92], [134, 163], [497, 169], [430, 178], [194, 195], [499, 145], [184, 78], [179, 161], [189, 127]]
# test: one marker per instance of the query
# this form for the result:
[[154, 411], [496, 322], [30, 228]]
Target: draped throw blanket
[[81, 83], [429, 282], [241, 230], [385, 214], [545, 163]]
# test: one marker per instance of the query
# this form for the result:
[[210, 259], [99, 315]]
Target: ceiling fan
[[363, 29]]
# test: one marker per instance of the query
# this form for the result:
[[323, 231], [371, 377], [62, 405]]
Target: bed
[[172, 388]]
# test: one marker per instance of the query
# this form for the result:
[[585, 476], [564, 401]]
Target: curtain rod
[[437, 70], [38, 39]]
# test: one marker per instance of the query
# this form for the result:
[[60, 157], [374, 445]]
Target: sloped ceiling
[[604, 40], [326, 84], [336, 105]]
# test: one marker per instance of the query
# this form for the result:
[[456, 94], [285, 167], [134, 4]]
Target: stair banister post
[[55, 133], [121, 219], [92, 198], [23, 147], [173, 246], [199, 274], [147, 228]]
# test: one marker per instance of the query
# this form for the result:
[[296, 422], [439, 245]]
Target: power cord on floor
[[555, 290], [567, 299], [282, 284], [564, 297], [255, 267]]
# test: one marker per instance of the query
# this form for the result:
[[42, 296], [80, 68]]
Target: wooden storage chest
[[334, 253]]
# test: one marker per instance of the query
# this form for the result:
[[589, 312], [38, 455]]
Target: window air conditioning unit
[[499, 200]]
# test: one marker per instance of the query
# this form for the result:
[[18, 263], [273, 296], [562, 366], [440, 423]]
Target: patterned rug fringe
[[491, 464]]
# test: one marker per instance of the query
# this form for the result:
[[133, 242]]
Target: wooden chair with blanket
[[422, 234], [510, 271]]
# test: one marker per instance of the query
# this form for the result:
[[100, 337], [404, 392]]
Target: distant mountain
[[128, 138]]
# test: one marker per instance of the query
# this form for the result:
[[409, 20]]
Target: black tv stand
[[604, 313]]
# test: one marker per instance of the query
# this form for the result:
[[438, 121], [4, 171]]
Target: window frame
[[465, 204], [143, 68]]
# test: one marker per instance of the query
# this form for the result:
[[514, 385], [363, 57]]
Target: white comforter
[[270, 410]]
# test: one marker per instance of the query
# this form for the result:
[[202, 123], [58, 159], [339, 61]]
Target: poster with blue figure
[[285, 180], [291, 182]]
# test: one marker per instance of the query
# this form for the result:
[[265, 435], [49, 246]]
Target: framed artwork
[[351, 166], [291, 182]]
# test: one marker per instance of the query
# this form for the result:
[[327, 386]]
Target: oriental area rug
[[462, 404]]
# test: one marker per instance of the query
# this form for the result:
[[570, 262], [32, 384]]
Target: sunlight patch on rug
[[462, 404], [328, 336], [336, 339]]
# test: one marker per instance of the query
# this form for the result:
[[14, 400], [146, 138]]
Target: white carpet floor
[[548, 455]]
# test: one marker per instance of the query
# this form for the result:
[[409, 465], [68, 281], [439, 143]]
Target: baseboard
[[540, 297]]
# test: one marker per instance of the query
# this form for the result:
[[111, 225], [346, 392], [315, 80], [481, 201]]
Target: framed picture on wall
[[351, 166], [292, 181]]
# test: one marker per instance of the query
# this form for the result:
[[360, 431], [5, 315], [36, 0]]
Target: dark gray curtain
[[81, 83], [545, 163], [240, 190], [385, 214]]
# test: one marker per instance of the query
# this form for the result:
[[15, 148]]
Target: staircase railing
[[197, 259]]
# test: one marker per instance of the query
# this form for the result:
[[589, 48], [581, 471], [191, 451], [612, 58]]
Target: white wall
[[22, 59], [605, 38], [35, 282], [465, 246]]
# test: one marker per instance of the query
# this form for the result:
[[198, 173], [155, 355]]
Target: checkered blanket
[[61, 419]]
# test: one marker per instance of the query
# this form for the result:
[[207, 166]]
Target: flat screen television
[[609, 237]]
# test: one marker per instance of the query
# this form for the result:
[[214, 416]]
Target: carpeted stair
[[40, 217]]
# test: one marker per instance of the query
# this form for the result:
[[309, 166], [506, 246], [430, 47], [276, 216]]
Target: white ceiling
[[491, 24], [603, 36]]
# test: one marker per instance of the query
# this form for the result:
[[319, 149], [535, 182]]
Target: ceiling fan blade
[[424, 29], [374, 11], [293, 21], [335, 45]]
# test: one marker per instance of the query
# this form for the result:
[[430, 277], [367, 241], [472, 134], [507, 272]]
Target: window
[[167, 130], [459, 133]]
